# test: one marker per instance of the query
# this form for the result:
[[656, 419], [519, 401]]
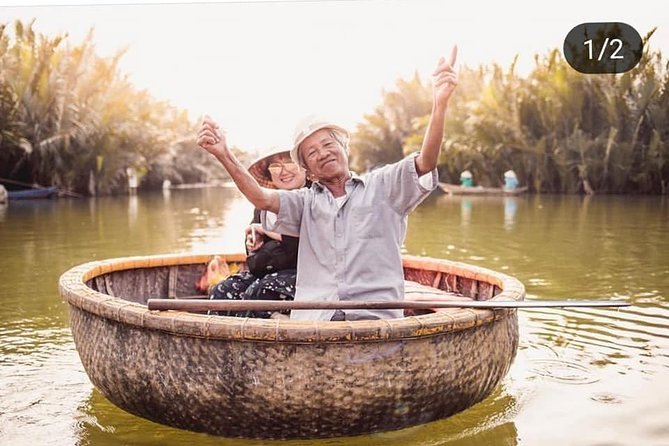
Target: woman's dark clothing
[[273, 286], [271, 276], [273, 255]]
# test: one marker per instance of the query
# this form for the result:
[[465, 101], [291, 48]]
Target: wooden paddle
[[281, 305]]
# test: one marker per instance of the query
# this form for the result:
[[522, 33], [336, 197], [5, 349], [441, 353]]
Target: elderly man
[[351, 227]]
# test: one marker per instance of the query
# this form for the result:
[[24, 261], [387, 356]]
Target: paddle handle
[[282, 305]]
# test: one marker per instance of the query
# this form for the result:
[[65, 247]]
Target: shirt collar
[[355, 178]]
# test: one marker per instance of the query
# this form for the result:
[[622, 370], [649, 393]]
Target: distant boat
[[454, 189], [42, 192]]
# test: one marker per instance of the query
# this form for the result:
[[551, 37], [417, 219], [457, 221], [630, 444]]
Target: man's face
[[323, 156]]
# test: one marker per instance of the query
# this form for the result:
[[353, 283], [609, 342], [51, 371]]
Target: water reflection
[[510, 209], [133, 204], [490, 422], [488, 205], [465, 210]]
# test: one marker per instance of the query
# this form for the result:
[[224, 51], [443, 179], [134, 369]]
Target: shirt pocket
[[367, 222]]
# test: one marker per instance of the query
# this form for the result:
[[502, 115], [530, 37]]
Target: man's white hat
[[306, 128], [510, 174]]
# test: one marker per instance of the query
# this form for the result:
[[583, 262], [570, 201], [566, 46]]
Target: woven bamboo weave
[[267, 378]]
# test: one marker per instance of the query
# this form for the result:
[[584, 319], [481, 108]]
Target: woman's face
[[286, 174]]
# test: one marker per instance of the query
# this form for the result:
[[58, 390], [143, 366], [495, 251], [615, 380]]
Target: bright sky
[[258, 67]]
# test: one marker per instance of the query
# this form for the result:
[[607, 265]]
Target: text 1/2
[[613, 42]]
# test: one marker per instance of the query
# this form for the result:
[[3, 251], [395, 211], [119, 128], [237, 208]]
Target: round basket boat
[[277, 378]]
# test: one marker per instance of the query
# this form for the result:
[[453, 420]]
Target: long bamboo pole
[[281, 305], [21, 183]]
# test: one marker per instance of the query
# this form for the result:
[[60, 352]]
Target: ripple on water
[[43, 387], [606, 398], [562, 371]]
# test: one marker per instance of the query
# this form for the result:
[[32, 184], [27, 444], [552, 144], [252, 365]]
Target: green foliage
[[69, 118], [381, 137], [560, 130]]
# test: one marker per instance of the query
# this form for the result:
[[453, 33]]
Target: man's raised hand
[[445, 79]]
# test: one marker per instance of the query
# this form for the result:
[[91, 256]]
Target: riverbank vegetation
[[559, 130], [72, 119]]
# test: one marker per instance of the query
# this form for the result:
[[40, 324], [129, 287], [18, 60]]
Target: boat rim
[[73, 289]]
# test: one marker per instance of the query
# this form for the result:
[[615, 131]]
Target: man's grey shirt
[[352, 252]]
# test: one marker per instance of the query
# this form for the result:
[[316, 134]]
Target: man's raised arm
[[445, 81], [211, 138]]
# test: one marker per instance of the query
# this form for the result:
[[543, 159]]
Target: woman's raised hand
[[210, 137]]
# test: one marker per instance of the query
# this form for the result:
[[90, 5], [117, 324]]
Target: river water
[[581, 376]]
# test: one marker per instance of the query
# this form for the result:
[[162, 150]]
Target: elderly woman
[[272, 257]]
